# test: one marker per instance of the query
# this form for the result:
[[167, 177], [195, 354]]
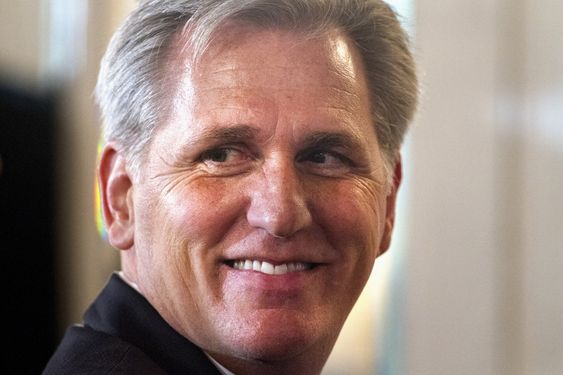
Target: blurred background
[[473, 283]]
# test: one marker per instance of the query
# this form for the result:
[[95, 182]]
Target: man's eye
[[222, 155], [321, 157], [327, 158], [325, 163], [218, 156], [226, 161]]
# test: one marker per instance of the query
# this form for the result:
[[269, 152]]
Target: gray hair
[[133, 82]]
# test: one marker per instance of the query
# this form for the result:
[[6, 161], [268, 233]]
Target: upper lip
[[279, 251]]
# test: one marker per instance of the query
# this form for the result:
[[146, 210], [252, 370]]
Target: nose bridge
[[278, 201]]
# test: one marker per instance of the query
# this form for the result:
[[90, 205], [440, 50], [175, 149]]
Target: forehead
[[248, 74], [278, 46], [239, 53]]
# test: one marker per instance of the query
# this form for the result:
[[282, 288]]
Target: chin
[[275, 337]]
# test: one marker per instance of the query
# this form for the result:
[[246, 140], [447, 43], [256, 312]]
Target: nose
[[278, 202]]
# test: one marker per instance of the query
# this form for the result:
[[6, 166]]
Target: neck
[[272, 368], [305, 364]]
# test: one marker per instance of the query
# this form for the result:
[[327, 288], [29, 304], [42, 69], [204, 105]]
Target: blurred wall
[[485, 253], [19, 42]]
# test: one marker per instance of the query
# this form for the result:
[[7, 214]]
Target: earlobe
[[116, 190], [391, 201]]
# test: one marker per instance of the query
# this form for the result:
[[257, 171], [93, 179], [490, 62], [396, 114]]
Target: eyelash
[[235, 146], [345, 160], [208, 155], [216, 160]]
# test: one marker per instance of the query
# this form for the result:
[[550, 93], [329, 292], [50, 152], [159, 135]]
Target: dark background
[[27, 228]]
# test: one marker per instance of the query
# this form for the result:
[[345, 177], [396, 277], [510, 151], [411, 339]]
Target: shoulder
[[86, 351]]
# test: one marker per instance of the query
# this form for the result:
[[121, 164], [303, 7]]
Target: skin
[[269, 154]]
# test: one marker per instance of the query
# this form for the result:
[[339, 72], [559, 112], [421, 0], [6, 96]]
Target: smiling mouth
[[269, 268]]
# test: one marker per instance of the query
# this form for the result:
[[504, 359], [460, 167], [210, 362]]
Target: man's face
[[262, 204]]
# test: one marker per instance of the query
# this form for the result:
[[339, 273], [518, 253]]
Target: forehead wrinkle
[[345, 99], [245, 112], [241, 91], [225, 69], [342, 112], [235, 101]]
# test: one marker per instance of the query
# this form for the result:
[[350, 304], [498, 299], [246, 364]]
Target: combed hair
[[133, 90]]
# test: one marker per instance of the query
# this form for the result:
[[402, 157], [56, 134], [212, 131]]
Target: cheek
[[176, 233], [198, 213], [352, 214]]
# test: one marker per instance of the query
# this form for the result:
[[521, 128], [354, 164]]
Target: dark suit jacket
[[124, 334]]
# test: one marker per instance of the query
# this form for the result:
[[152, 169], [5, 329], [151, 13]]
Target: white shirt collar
[[128, 282], [221, 369]]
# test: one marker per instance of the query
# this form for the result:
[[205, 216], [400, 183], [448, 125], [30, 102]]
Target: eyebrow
[[242, 133], [218, 135], [329, 139], [228, 134]]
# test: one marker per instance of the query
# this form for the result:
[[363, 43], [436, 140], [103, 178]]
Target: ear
[[391, 201], [116, 190]]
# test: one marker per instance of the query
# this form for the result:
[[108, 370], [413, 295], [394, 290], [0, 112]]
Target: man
[[249, 179]]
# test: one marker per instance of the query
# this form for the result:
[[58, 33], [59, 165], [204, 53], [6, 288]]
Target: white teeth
[[268, 268], [256, 265], [296, 267], [280, 270]]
